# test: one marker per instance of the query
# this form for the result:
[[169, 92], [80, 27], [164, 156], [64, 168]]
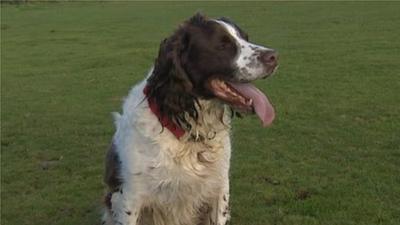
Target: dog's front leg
[[219, 213], [223, 213], [125, 208]]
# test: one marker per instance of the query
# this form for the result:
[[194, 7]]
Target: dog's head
[[206, 59]]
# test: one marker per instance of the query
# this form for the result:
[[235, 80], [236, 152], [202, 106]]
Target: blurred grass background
[[331, 157]]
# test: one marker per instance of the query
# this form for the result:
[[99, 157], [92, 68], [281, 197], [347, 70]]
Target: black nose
[[269, 57]]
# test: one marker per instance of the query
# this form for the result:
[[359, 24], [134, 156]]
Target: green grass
[[332, 156]]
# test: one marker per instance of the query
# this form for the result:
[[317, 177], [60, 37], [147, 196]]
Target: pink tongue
[[262, 106]]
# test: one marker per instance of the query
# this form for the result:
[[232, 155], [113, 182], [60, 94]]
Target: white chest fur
[[165, 170]]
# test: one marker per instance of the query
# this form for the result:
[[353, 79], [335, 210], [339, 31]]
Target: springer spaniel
[[169, 159]]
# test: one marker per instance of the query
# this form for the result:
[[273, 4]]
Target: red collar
[[164, 120]]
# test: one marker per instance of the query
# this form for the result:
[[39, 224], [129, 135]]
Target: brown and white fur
[[155, 178]]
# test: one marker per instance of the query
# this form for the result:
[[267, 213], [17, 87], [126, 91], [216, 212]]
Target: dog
[[169, 160]]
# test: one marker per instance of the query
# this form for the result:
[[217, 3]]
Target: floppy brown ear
[[169, 63], [182, 42], [163, 60], [179, 58], [170, 86], [163, 63]]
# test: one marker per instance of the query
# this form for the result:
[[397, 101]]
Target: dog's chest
[[168, 169], [189, 169]]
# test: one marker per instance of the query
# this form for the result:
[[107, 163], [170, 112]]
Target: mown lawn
[[332, 156]]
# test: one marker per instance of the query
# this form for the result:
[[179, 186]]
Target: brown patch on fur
[[107, 200], [112, 173], [204, 214]]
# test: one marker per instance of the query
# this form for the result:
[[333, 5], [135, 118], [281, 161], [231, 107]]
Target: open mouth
[[244, 97]]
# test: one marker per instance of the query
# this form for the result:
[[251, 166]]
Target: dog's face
[[221, 48], [214, 59]]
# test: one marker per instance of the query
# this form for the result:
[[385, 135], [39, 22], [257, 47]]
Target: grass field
[[332, 156]]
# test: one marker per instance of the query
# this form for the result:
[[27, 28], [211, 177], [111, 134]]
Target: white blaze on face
[[247, 62]]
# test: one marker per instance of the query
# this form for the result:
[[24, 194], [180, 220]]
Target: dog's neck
[[213, 118]]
